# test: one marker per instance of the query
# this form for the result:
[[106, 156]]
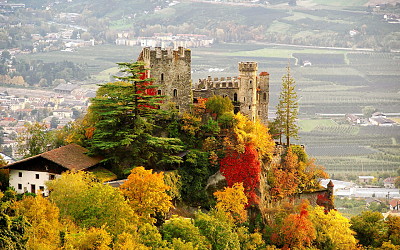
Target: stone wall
[[171, 70]]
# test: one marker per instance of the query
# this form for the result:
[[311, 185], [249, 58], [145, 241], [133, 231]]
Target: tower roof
[[264, 74]]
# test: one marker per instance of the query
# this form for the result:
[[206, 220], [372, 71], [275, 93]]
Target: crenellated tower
[[171, 70]]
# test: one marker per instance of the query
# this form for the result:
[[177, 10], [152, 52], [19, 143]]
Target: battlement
[[217, 83], [248, 66], [157, 53]]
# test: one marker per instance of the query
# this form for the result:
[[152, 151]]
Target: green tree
[[219, 230], [183, 228], [90, 203], [287, 109], [123, 114], [370, 227], [219, 105], [34, 140]]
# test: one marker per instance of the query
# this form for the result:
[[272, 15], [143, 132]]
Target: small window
[[37, 176], [259, 112], [244, 99], [19, 174], [162, 77], [159, 92], [251, 81], [249, 107], [41, 188], [265, 96], [235, 98], [175, 92], [177, 107], [19, 186], [52, 177]]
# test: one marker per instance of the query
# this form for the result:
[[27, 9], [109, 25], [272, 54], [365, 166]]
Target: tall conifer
[[287, 109]]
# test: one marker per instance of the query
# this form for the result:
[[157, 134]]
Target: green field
[[309, 125]]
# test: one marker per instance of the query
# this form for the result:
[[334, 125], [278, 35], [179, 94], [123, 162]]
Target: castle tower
[[171, 70], [263, 97], [247, 94]]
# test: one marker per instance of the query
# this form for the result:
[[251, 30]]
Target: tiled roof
[[72, 157], [264, 74]]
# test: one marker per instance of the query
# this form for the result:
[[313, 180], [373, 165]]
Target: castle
[[171, 70]]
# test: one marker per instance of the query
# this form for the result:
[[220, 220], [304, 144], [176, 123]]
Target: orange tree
[[146, 193], [233, 201]]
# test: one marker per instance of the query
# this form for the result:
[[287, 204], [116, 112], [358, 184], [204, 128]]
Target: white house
[[31, 174]]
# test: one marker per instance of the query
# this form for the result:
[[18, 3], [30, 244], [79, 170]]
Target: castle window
[[244, 99], [159, 92], [249, 107], [19, 186], [235, 99], [265, 96], [162, 77], [175, 92], [251, 82], [259, 112], [230, 85]]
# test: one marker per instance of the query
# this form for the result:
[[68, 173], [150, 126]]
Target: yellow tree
[[332, 230], [43, 216], [247, 131], [146, 193], [233, 201]]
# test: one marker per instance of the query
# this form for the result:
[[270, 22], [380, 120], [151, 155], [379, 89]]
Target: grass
[[105, 74], [309, 125]]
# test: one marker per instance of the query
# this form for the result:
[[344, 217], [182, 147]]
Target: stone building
[[172, 71], [248, 91]]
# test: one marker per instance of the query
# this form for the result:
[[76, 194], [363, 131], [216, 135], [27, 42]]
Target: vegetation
[[287, 109]]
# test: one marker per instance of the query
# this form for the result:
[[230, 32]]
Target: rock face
[[215, 182]]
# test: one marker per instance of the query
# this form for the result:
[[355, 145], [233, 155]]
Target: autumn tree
[[297, 231], [43, 216], [233, 201], [332, 230], [90, 203], [283, 178], [243, 168], [146, 193], [92, 238], [287, 109]]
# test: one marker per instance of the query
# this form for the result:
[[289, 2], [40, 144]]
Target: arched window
[[162, 77], [175, 92], [235, 99]]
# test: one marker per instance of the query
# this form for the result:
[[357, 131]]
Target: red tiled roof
[[264, 74], [72, 157], [394, 202]]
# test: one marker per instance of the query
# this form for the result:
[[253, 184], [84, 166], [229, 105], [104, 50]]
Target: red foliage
[[245, 168]]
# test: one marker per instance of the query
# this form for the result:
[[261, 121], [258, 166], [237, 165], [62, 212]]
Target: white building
[[31, 174]]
